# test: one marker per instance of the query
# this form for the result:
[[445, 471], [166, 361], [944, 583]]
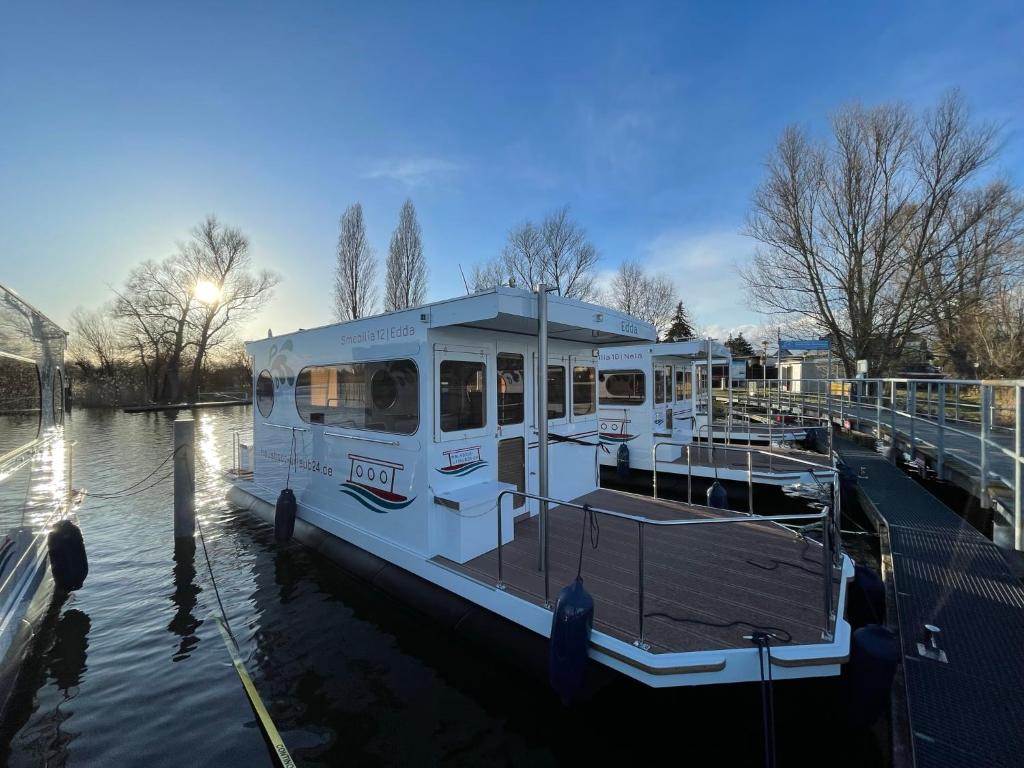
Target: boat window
[[622, 387], [463, 395], [58, 397], [684, 384], [660, 388], [20, 403], [556, 391], [511, 389], [584, 390], [382, 396], [265, 393]]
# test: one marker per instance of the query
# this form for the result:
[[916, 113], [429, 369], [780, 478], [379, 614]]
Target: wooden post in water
[[184, 478]]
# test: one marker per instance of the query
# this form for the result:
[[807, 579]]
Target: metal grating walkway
[[968, 711]]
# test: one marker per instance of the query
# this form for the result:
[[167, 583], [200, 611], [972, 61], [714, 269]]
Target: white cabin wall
[[324, 465]]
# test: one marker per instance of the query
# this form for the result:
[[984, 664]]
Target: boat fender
[[284, 516], [68, 562], [622, 461], [867, 598], [874, 655], [571, 624], [718, 497]]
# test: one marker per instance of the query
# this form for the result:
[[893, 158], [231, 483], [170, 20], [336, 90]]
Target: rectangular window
[[660, 389], [556, 391], [584, 390], [380, 396], [511, 388], [463, 392], [622, 387], [684, 384]]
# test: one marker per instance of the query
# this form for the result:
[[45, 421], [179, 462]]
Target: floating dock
[[958, 702]]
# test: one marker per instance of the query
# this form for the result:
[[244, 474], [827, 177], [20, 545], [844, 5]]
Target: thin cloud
[[413, 171]]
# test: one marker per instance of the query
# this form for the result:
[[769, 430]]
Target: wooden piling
[[184, 478]]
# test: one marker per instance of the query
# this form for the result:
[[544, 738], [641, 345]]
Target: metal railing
[[831, 553], [989, 412], [750, 451]]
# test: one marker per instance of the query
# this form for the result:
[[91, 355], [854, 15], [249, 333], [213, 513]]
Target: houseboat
[[658, 400], [36, 503], [449, 455]]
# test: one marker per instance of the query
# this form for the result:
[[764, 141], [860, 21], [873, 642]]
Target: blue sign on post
[[804, 344]]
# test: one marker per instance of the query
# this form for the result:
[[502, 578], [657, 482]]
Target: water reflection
[[185, 597], [58, 657]]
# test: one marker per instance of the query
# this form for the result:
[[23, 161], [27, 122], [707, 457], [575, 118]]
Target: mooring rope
[[124, 491], [231, 642], [763, 642]]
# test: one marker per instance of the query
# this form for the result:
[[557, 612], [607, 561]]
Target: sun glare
[[207, 292]]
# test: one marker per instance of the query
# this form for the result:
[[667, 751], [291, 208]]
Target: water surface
[[131, 670]]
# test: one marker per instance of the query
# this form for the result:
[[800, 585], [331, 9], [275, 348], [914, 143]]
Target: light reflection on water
[[132, 671]]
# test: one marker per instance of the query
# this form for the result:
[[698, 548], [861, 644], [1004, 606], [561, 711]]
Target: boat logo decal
[[371, 482], [614, 431], [462, 461], [278, 363]]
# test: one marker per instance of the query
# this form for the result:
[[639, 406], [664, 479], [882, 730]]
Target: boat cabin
[[663, 397], [433, 407]]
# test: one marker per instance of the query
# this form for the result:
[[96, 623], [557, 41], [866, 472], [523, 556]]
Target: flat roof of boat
[[691, 348], [514, 310]]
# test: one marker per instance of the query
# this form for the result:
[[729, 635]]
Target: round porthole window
[[58, 397], [383, 389], [265, 393]]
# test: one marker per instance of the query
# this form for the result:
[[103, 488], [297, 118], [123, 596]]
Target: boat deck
[[778, 461], [706, 586]]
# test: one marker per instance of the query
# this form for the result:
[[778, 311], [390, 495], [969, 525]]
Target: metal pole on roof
[[542, 429]]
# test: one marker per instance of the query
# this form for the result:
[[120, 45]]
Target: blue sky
[[122, 126]]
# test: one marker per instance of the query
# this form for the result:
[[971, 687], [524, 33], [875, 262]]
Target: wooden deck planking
[[693, 573]]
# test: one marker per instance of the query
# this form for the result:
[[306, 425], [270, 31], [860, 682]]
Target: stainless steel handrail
[[377, 440], [829, 555]]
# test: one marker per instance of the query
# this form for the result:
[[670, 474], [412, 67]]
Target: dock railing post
[[986, 403], [912, 410], [1018, 491], [940, 441], [892, 424], [878, 409], [750, 480], [184, 478]]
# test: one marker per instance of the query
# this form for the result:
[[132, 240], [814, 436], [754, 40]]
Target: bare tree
[[154, 307], [406, 270], [996, 332], [218, 257], [94, 339], [849, 230], [355, 292], [173, 312], [489, 274], [651, 298], [556, 252]]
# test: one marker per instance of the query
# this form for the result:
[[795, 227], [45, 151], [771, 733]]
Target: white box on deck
[[466, 521]]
